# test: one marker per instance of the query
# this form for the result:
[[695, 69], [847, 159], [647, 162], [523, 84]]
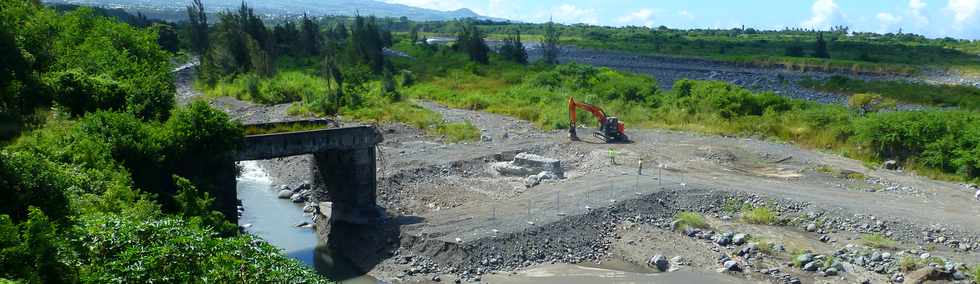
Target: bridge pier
[[349, 178], [344, 168]]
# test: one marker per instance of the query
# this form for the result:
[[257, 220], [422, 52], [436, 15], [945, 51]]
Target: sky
[[932, 18]]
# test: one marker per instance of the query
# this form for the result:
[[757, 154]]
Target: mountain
[[275, 8]]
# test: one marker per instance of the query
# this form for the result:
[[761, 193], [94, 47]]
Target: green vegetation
[[759, 216], [690, 220], [966, 97], [908, 263], [937, 143], [111, 183], [976, 274], [456, 132], [840, 173], [878, 241]]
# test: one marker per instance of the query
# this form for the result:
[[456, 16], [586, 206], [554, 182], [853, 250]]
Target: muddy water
[[274, 220]]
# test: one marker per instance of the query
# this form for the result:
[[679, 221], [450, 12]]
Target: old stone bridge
[[344, 165]]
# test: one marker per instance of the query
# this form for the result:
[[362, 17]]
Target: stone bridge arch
[[344, 165]]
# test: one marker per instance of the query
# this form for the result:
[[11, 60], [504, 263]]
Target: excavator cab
[[610, 130]]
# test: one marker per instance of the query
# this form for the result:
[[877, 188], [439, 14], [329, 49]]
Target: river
[[275, 220]]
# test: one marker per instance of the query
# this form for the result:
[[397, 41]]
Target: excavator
[[610, 129]]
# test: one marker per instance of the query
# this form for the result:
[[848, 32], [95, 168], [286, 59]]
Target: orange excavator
[[610, 129]]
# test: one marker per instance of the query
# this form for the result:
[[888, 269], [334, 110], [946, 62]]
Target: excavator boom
[[610, 129]]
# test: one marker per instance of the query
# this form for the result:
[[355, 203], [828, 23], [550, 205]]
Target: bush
[[759, 216], [457, 132], [690, 220], [121, 249], [28, 180]]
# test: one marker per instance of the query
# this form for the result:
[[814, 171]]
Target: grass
[[282, 128], [839, 173], [457, 132], [908, 263], [690, 220], [976, 274], [878, 241], [759, 216]]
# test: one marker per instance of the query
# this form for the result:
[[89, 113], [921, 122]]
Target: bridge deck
[[268, 146]]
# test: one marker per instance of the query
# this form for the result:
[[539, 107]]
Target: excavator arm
[[573, 105], [610, 129]]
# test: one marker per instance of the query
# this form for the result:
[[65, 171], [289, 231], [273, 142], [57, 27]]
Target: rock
[[539, 163], [739, 239], [921, 275], [678, 260], [660, 262], [886, 255], [876, 256], [436, 278], [302, 224], [890, 165], [925, 255], [830, 271], [673, 225], [811, 227], [794, 280], [958, 276], [732, 265], [285, 194], [532, 181], [298, 198], [804, 258], [811, 266]]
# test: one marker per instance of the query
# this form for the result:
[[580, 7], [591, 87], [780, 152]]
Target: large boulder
[[285, 194], [539, 164], [660, 262]]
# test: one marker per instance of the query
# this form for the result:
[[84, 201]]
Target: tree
[[469, 39], [794, 51], [198, 20], [550, 48], [820, 48], [413, 35], [513, 50], [167, 37], [365, 44], [309, 36]]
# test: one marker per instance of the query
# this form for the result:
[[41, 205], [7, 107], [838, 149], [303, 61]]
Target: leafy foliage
[[917, 93]]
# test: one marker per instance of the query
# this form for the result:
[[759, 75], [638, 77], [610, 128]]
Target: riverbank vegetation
[[966, 97], [103, 178], [938, 143]]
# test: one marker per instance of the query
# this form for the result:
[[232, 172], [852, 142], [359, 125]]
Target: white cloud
[[915, 12], [444, 5], [886, 21], [685, 14], [570, 14], [825, 14], [643, 16], [963, 11]]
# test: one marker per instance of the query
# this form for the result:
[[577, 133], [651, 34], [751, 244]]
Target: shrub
[[690, 220], [28, 180], [457, 132], [908, 263], [878, 241], [759, 216]]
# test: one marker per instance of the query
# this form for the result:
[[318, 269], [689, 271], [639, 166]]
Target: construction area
[[524, 205]]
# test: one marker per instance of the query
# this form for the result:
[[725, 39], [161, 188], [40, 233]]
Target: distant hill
[[168, 10]]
